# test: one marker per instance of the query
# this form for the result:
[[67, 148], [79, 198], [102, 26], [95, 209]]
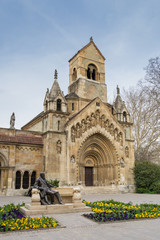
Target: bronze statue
[[46, 193]]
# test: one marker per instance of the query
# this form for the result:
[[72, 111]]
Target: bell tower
[[87, 73]]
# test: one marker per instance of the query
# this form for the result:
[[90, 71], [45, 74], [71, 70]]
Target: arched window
[[58, 127], [59, 104], [88, 73], [18, 180], [26, 180], [74, 75], [33, 178], [92, 72], [72, 106], [124, 117]]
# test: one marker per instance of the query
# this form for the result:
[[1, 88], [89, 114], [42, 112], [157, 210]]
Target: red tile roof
[[21, 139]]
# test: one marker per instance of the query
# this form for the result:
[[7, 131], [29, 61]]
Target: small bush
[[54, 182], [147, 177]]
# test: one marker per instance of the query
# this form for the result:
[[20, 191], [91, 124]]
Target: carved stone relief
[[93, 120]]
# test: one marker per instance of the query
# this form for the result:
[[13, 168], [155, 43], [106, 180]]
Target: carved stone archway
[[98, 153]]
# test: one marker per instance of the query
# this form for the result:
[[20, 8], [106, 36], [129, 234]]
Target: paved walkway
[[79, 228]]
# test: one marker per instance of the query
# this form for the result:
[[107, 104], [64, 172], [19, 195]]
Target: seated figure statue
[[46, 192]]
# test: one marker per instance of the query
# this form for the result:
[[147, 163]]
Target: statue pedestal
[[68, 194], [29, 210]]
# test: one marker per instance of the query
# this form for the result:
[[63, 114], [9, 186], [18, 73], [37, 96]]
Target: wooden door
[[89, 176]]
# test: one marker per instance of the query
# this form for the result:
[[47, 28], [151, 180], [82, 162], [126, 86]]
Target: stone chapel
[[79, 139]]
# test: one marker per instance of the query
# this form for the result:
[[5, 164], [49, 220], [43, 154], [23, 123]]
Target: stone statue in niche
[[78, 130], [72, 159], [12, 121], [88, 122], [73, 133], [92, 120], [97, 117], [116, 134], [111, 129], [59, 146], [122, 163], [103, 121], [127, 151], [121, 138], [106, 124], [83, 125]]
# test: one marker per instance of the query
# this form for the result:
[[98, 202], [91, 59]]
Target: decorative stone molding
[[93, 120], [4, 147], [22, 148]]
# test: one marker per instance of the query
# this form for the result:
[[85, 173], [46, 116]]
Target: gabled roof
[[73, 116], [84, 110], [91, 42], [71, 95]]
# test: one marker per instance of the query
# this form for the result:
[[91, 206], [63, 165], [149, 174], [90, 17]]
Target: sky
[[39, 36]]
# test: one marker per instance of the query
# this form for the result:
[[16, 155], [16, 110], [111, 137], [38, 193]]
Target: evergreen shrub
[[147, 177]]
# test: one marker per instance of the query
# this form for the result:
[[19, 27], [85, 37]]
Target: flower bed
[[11, 219], [104, 211]]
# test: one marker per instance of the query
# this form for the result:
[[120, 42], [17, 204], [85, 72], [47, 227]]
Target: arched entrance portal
[[98, 163]]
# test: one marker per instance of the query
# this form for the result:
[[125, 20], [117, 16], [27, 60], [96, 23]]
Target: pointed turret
[[55, 97], [55, 90], [119, 104], [120, 108]]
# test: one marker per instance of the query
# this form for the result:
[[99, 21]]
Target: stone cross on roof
[[118, 90], [55, 74]]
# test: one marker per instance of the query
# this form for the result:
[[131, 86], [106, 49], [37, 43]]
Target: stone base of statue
[[71, 198]]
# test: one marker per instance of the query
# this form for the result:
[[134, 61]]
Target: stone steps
[[99, 190]]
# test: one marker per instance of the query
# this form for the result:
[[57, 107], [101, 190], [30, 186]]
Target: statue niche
[[59, 146]]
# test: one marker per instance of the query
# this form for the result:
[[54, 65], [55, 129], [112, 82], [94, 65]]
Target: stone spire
[[119, 104], [55, 90]]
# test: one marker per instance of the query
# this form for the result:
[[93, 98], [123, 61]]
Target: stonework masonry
[[78, 139]]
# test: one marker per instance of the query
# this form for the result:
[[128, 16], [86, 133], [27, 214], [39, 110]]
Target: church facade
[[78, 139]]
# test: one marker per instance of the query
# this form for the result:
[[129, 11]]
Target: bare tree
[[146, 128], [152, 78]]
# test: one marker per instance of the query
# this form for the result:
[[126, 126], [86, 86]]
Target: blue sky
[[37, 36]]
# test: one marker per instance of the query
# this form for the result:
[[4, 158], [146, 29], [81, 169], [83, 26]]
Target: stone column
[[10, 178], [30, 173], [21, 186]]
